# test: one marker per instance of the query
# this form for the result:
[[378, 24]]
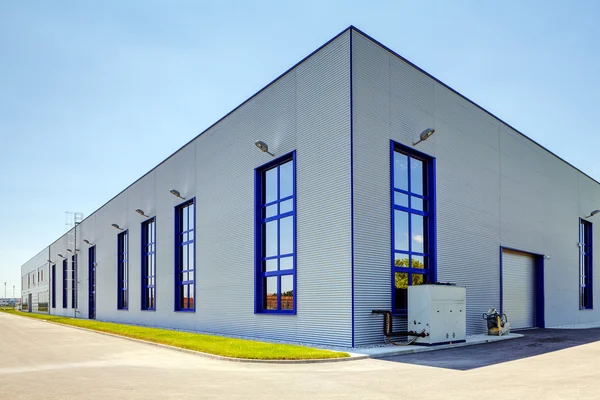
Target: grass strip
[[218, 345]]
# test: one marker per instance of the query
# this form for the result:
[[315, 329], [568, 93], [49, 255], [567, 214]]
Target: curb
[[352, 357], [424, 349]]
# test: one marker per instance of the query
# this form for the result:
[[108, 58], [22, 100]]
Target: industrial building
[[350, 177]]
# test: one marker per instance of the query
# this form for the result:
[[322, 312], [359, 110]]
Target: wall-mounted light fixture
[[424, 135], [593, 213], [61, 256], [71, 251], [262, 146], [116, 227], [50, 261], [141, 212], [87, 242], [546, 256], [176, 194]]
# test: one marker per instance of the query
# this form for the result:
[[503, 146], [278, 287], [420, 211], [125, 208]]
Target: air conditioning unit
[[440, 310]]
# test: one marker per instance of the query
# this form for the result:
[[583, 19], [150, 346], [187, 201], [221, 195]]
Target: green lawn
[[219, 345]]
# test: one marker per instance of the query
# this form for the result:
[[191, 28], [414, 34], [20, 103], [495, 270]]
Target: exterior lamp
[[71, 251], [141, 212], [262, 146], [593, 213], [50, 261], [87, 242], [174, 193], [61, 256], [424, 135], [116, 227]]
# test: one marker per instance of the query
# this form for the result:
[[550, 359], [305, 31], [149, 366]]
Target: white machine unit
[[440, 310]]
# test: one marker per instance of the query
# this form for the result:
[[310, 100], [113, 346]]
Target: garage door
[[518, 288]]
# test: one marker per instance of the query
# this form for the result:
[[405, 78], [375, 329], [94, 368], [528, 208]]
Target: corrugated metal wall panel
[[518, 288], [307, 110], [494, 188]]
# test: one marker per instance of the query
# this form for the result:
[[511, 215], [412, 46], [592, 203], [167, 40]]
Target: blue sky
[[95, 94]]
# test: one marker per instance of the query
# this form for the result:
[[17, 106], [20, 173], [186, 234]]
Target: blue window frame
[[413, 222], [92, 282], [275, 236], [586, 295], [74, 281], [123, 271], [53, 285], [149, 264], [65, 280], [185, 256]]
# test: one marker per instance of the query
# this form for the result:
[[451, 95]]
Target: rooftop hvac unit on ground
[[440, 311]]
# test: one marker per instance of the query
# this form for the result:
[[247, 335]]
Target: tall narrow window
[[123, 270], [92, 282], [276, 236], [74, 281], [185, 260], [586, 295], [149, 264], [53, 286], [413, 222], [65, 279]]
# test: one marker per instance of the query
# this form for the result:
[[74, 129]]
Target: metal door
[[518, 288], [29, 302]]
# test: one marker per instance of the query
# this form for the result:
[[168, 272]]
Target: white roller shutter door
[[518, 288]]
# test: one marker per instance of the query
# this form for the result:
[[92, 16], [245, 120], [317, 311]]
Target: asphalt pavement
[[39, 360]]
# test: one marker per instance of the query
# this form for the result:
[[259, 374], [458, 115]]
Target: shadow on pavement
[[534, 343]]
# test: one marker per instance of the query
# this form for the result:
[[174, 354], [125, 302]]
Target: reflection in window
[[185, 257], [277, 234], [123, 270], [65, 280], [148, 264], [74, 281], [586, 295], [412, 222]]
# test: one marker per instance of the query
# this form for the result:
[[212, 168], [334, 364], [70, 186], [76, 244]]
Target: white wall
[[39, 287], [306, 110], [494, 188]]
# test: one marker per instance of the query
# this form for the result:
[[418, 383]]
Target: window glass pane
[[286, 179], [191, 235], [419, 262], [191, 258], [287, 292], [191, 215], [184, 258], [286, 243], [401, 260], [416, 176], [286, 206], [184, 220], [270, 235], [270, 293], [418, 233], [286, 263], [400, 171], [419, 279], [270, 211], [400, 199], [417, 203], [400, 230], [270, 185], [400, 290], [270, 265]]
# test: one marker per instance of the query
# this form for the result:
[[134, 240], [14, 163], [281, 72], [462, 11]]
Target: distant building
[[341, 212]]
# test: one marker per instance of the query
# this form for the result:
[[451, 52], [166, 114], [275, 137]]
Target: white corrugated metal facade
[[339, 109]]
